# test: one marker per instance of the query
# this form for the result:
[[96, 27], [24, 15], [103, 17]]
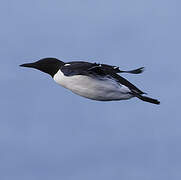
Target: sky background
[[47, 132]]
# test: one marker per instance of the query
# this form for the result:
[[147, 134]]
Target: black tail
[[147, 99]]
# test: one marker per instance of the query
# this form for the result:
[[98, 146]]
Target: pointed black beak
[[30, 65]]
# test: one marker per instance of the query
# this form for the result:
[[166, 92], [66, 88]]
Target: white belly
[[102, 90]]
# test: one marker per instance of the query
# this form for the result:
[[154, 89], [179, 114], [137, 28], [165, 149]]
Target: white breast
[[93, 88]]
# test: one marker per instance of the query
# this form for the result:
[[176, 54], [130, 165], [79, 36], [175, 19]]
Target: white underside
[[97, 89]]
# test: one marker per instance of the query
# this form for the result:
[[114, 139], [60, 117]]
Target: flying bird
[[95, 81]]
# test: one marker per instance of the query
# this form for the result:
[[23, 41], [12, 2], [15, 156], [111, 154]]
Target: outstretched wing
[[94, 69]]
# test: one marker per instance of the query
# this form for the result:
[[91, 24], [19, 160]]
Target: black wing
[[102, 70], [79, 67]]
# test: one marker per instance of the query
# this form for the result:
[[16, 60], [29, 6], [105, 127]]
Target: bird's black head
[[47, 65]]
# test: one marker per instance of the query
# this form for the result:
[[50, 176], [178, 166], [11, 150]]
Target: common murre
[[91, 80]]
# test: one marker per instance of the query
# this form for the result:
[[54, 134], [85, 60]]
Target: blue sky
[[47, 132]]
